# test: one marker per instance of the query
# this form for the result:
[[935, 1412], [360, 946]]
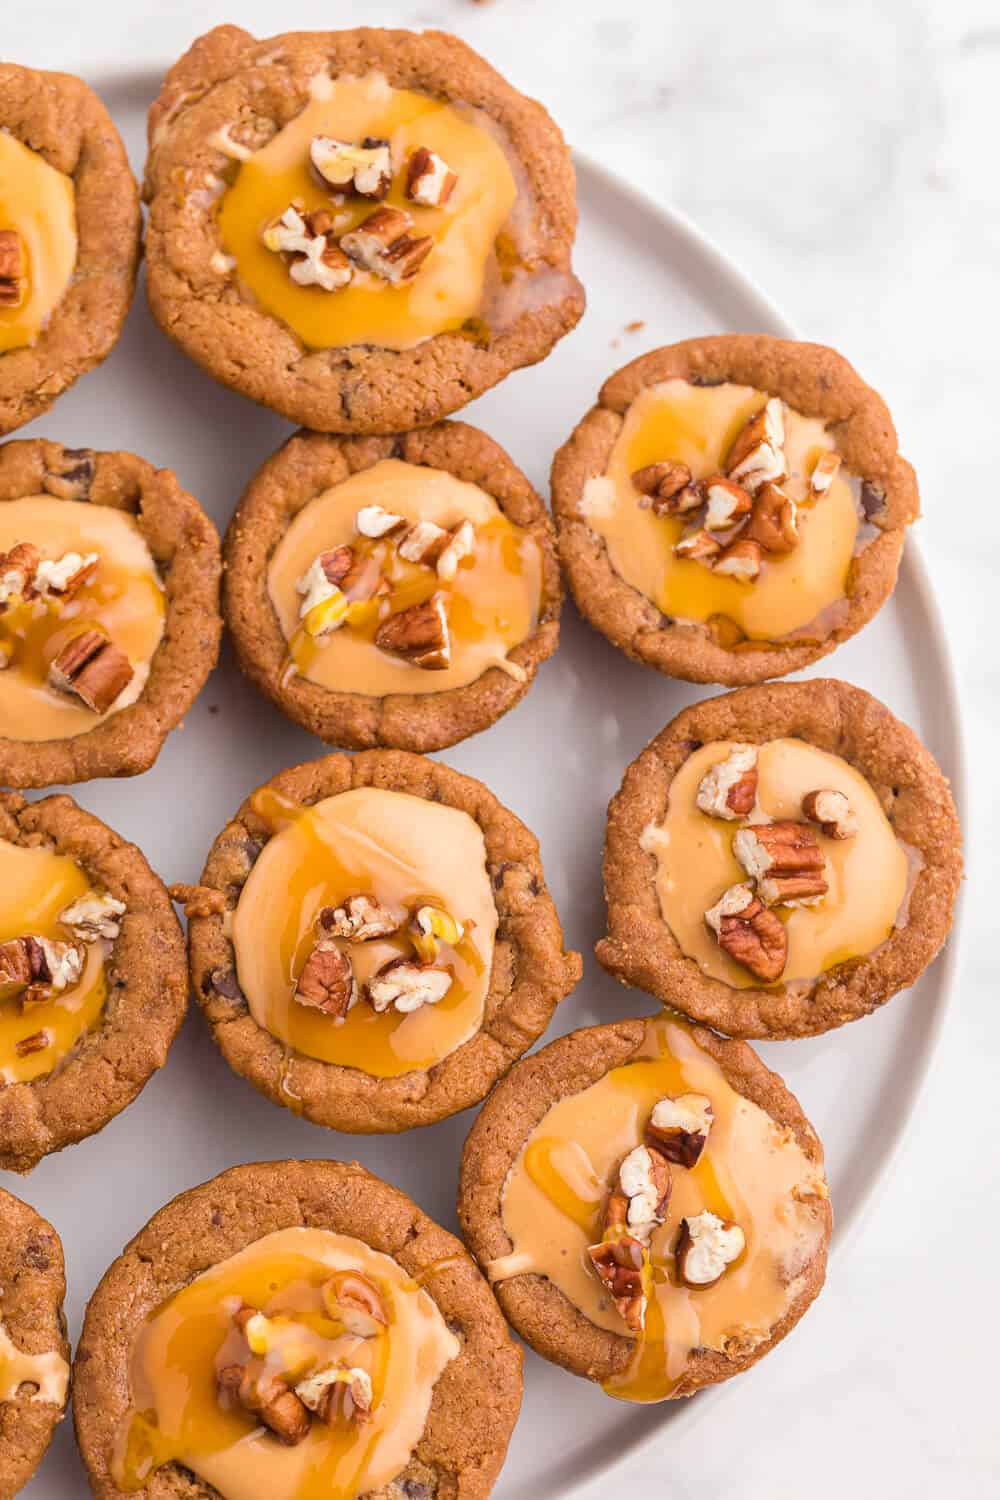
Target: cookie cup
[[640, 948], [816, 382], [530, 972]]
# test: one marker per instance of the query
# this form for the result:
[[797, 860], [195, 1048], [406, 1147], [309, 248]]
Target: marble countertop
[[845, 157]]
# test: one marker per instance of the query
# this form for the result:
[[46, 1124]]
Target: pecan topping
[[11, 269], [429, 179], [383, 244], [92, 667], [305, 239], [339, 1391], [324, 604], [832, 811], [419, 635], [424, 542], [785, 860], [17, 572], [73, 479], [706, 1245], [757, 455], [741, 559], [728, 503], [751, 934], [95, 915], [644, 1180], [327, 981], [353, 1300], [361, 919], [824, 473], [698, 545], [729, 788], [775, 520], [678, 1128], [667, 488], [66, 575], [407, 985], [461, 544], [38, 967], [620, 1264], [374, 521], [267, 1397], [37, 1042], [432, 926], [365, 169]]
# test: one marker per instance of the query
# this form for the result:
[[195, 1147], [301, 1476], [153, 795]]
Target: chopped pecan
[[431, 926], [698, 545], [73, 478], [324, 604], [355, 1301], [741, 560], [706, 1245], [832, 811], [361, 918], [751, 934], [37, 967], [429, 179], [728, 503], [419, 635], [66, 575], [365, 169], [424, 542], [383, 244], [757, 455], [11, 268], [37, 1042], [374, 521], [729, 788], [95, 915], [15, 966], [92, 667], [644, 1178], [678, 1128], [667, 487], [17, 572], [327, 981], [785, 860], [823, 474], [267, 1397], [620, 1263], [337, 1392], [407, 985], [312, 256], [461, 544], [775, 520]]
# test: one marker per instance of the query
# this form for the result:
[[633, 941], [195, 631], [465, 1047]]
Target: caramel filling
[[124, 597], [459, 281], [751, 1172], [48, 1372], [867, 874], [176, 1414], [35, 886], [696, 426], [404, 852], [492, 602], [39, 205]]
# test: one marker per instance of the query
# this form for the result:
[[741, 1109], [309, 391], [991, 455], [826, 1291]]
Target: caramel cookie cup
[[69, 238], [109, 611], [445, 1384], [351, 1038], [267, 161], [733, 507], [353, 684], [93, 976], [542, 1170], [864, 908], [34, 1349]]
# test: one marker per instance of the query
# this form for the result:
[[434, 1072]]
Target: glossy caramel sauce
[[35, 886], [402, 850], [176, 1415], [461, 278], [39, 204], [867, 874], [752, 1172], [125, 597], [696, 425], [493, 602], [49, 1372]]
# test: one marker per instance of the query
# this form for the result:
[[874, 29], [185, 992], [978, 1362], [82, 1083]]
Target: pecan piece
[[65, 576], [728, 503], [823, 474], [832, 811], [407, 985], [620, 1264], [461, 544], [95, 915], [365, 169], [337, 1392], [374, 521], [785, 860], [706, 1245], [775, 520], [424, 542], [327, 981], [429, 179], [678, 1128], [37, 1042], [37, 968], [757, 454], [667, 487], [751, 934], [17, 572], [383, 244], [432, 926], [729, 788], [11, 268], [267, 1397], [361, 919], [740, 560], [306, 242], [419, 635], [644, 1180], [354, 1301], [698, 545], [92, 667]]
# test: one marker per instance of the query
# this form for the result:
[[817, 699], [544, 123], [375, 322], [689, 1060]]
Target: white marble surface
[[845, 156]]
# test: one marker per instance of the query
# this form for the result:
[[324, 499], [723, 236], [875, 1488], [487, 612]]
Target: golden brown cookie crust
[[185, 547], [147, 989], [641, 950], [64, 121], [816, 382], [34, 1284], [303, 468], [540, 1313], [227, 78], [475, 1401], [531, 973]]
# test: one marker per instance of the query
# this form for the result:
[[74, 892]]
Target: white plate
[[555, 760]]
